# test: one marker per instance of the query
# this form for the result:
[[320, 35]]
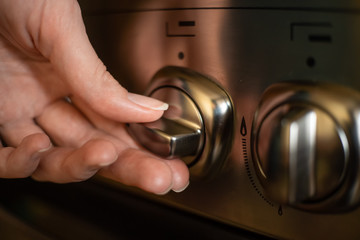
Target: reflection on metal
[[302, 155], [198, 126], [179, 133]]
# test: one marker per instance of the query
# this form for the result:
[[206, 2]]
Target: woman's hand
[[62, 115]]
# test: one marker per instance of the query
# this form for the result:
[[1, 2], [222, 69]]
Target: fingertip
[[23, 160], [180, 174], [148, 102], [159, 179], [182, 188], [37, 142]]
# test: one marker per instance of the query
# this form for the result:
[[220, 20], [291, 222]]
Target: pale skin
[[62, 115]]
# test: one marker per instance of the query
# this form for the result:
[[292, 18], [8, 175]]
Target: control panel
[[284, 160]]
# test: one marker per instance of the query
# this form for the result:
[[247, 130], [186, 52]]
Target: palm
[[27, 84]]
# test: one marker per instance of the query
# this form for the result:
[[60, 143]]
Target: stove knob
[[306, 146], [198, 127], [302, 153], [180, 131]]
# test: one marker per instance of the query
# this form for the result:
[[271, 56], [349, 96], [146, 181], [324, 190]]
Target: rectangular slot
[[313, 32], [320, 38], [180, 28], [186, 23]]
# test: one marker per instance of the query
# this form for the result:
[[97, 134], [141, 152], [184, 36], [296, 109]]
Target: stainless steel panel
[[245, 48]]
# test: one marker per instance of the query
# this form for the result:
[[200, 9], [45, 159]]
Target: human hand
[[53, 85]]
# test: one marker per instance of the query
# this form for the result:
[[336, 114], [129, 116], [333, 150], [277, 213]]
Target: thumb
[[65, 43]]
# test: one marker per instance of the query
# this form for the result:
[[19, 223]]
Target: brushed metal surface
[[246, 49]]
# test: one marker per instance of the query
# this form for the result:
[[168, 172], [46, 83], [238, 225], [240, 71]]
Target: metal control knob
[[306, 146], [198, 127], [179, 133]]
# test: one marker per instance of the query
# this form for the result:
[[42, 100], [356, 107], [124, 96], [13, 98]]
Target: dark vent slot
[[320, 38], [186, 23]]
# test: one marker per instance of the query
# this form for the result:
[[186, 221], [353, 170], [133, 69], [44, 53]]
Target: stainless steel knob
[[198, 127], [306, 146], [305, 154], [179, 133]]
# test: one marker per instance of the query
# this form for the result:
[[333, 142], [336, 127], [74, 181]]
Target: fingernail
[[147, 102], [108, 162], [181, 189], [36, 155], [45, 149], [166, 191]]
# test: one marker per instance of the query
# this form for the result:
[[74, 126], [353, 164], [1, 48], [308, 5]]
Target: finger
[[139, 169], [179, 169], [14, 132], [64, 165], [65, 124], [22, 161], [144, 171], [65, 43], [81, 155], [111, 127], [68, 127], [133, 166]]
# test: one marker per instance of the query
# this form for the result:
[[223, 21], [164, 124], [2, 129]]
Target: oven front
[[285, 162]]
